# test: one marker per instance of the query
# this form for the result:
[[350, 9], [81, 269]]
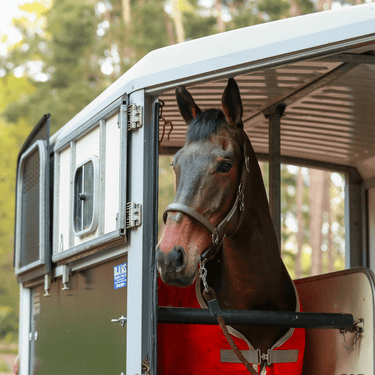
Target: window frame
[[94, 221], [41, 146], [81, 250]]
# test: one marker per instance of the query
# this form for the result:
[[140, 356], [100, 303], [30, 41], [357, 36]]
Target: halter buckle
[[215, 239], [247, 164], [241, 197], [203, 274]]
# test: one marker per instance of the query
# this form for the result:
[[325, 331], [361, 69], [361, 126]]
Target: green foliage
[[306, 6], [11, 139], [197, 25], [4, 367], [166, 188], [63, 50], [147, 34], [290, 225], [275, 9], [245, 16], [8, 320]]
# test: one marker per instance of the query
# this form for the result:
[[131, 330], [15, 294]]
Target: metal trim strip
[[73, 144], [102, 160], [89, 124], [83, 248], [56, 206], [302, 55], [123, 123]]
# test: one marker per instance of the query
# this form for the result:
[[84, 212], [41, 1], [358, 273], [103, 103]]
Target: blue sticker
[[119, 276]]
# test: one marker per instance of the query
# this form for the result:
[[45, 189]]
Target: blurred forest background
[[69, 51]]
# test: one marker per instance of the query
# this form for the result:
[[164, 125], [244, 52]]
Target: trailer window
[[85, 200], [30, 240]]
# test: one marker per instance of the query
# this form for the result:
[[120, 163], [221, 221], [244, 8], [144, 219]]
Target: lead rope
[[210, 297]]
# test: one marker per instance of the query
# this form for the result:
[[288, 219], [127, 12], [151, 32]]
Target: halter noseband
[[236, 213]]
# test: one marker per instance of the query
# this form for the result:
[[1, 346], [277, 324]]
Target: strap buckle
[[278, 356], [265, 357], [215, 239]]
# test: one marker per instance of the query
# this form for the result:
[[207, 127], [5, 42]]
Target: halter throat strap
[[236, 213]]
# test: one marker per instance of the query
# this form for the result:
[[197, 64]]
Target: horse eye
[[224, 167]]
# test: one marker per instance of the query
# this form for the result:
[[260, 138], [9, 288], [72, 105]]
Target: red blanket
[[188, 349]]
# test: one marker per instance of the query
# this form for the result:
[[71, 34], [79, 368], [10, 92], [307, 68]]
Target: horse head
[[209, 173]]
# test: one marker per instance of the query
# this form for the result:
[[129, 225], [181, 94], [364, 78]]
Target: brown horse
[[221, 211]]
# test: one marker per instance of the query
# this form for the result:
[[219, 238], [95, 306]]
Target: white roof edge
[[310, 33]]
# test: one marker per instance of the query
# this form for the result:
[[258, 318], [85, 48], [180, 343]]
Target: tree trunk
[[126, 12], [125, 49], [177, 19], [219, 21], [300, 234], [327, 208], [324, 5], [316, 203], [295, 9], [169, 28]]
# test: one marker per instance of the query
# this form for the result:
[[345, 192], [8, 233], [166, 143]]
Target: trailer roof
[[322, 66]]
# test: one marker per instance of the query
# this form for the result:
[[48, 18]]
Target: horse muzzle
[[173, 267]]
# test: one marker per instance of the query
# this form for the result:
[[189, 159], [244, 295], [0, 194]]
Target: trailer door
[[93, 311], [71, 329]]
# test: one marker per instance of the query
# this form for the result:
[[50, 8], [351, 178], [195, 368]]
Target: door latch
[[134, 215], [134, 116], [122, 320]]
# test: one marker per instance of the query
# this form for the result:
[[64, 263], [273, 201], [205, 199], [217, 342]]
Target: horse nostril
[[159, 256], [176, 257]]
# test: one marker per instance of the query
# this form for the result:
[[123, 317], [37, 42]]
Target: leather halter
[[235, 214]]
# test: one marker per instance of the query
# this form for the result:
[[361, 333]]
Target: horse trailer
[[87, 196]]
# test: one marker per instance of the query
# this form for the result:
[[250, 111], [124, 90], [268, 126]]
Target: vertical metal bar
[[137, 252], [56, 199], [71, 195], [47, 205], [274, 167], [102, 161], [355, 249], [83, 191], [150, 232], [24, 329], [123, 122]]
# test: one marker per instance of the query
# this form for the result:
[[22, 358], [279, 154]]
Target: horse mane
[[205, 124]]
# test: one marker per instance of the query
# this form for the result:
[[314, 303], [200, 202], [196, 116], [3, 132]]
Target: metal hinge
[[134, 116], [133, 215]]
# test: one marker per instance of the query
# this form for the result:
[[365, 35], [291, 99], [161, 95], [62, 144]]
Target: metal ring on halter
[[203, 274]]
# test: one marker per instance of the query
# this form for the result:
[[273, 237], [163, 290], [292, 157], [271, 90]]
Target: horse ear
[[188, 109], [232, 104]]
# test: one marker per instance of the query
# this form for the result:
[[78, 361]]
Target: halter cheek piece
[[235, 214]]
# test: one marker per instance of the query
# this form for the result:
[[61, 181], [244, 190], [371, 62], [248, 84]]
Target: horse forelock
[[205, 124]]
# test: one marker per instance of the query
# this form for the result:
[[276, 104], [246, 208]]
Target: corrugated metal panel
[[330, 107]]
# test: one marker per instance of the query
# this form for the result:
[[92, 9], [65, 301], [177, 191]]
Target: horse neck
[[251, 263]]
